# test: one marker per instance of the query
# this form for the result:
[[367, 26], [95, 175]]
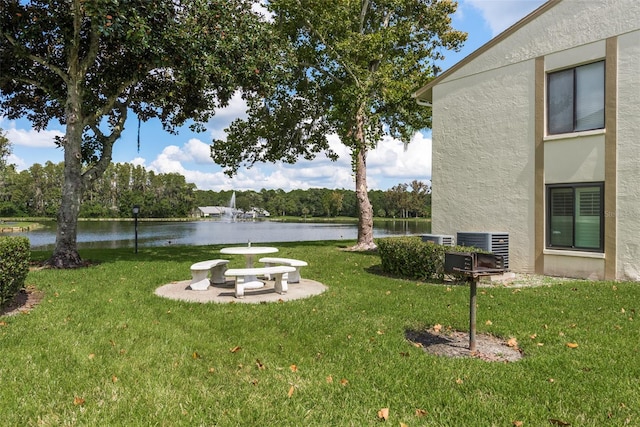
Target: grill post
[[473, 265], [473, 287]]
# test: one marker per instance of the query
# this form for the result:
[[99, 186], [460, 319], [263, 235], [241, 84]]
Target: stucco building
[[537, 134]]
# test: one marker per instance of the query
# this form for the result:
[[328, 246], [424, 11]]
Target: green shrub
[[412, 258], [14, 266]]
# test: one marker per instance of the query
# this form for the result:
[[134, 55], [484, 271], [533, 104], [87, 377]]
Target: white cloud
[[138, 161], [32, 138], [261, 9], [391, 159], [170, 160], [501, 14], [388, 165], [198, 151], [19, 162]]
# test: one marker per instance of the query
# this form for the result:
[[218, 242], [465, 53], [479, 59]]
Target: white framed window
[[575, 99], [575, 216]]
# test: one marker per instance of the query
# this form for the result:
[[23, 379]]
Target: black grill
[[473, 264]]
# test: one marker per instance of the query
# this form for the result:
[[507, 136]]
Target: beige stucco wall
[[577, 266], [483, 136], [628, 209], [487, 121], [569, 24], [578, 159]]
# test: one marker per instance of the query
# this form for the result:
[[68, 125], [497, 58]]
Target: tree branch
[[363, 14], [324, 42], [323, 71], [110, 104], [107, 142], [92, 53], [38, 60]]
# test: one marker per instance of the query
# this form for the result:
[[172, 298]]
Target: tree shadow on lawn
[[173, 253]]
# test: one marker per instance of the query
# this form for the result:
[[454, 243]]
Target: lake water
[[120, 234]]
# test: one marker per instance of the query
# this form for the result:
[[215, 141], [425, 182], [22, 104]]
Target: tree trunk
[[65, 254], [365, 210]]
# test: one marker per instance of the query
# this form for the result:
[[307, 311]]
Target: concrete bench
[[200, 272], [293, 277], [240, 276]]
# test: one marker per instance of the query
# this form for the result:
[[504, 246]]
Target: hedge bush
[[15, 253], [412, 258]]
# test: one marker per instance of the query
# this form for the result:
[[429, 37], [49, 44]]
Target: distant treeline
[[37, 190]]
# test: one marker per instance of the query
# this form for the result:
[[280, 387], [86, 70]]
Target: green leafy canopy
[[87, 64], [343, 64], [173, 60]]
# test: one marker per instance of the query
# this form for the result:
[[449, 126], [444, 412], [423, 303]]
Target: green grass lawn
[[102, 350]]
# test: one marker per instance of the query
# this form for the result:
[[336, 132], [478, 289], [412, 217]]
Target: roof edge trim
[[426, 93]]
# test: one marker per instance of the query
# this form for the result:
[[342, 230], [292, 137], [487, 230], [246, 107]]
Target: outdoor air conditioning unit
[[494, 242], [438, 239]]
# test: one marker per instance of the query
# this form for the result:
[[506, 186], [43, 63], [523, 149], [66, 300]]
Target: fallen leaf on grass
[[235, 349], [512, 342], [572, 345], [517, 423], [344, 381], [212, 370], [291, 389], [403, 425], [92, 356], [195, 355], [437, 328], [330, 379], [380, 332], [488, 323], [114, 379], [383, 414], [559, 422], [78, 401], [459, 381], [3, 323], [293, 368], [421, 413]]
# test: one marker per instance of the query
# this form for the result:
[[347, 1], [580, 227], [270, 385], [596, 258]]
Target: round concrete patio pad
[[226, 293]]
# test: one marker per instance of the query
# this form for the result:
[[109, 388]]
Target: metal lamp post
[[136, 211]]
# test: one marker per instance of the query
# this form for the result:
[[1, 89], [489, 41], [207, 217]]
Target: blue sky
[[188, 153]]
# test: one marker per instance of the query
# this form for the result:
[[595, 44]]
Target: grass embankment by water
[[18, 226], [102, 349], [341, 219]]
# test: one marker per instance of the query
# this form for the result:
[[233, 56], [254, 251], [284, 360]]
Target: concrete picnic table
[[249, 253]]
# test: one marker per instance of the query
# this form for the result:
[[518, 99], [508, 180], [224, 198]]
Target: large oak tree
[[348, 67], [88, 64]]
